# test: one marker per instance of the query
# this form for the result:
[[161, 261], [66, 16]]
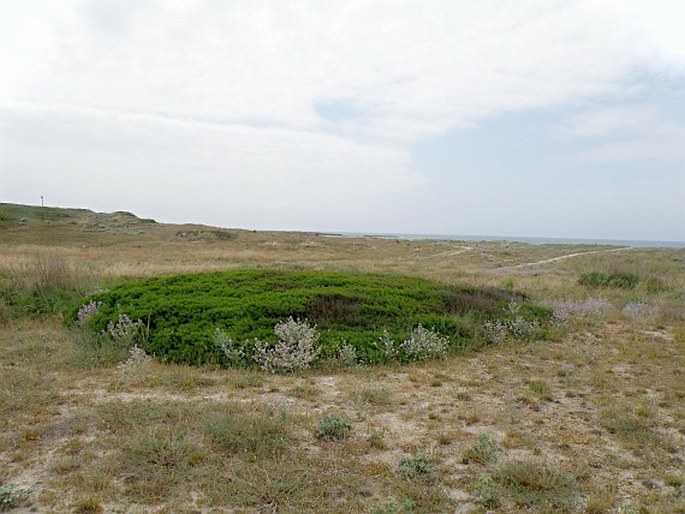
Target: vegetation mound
[[621, 280], [182, 314]]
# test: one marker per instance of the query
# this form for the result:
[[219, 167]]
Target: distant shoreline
[[516, 239]]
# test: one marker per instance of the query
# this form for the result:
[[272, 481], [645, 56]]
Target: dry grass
[[593, 421]]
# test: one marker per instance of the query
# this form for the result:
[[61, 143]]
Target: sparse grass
[[374, 396], [264, 432], [536, 483], [598, 401]]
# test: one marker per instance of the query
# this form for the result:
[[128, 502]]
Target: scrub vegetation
[[438, 376], [180, 314]]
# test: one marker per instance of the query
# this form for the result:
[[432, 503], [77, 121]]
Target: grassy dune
[[590, 419]]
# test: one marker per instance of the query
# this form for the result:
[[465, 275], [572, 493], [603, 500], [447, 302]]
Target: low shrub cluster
[[621, 280], [228, 318]]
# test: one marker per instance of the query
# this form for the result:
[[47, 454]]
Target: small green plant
[[333, 428], [484, 451], [11, 497], [540, 388], [416, 466], [231, 353], [485, 490], [377, 439], [619, 280]]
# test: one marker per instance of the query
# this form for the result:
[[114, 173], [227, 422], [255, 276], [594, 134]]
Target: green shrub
[[333, 428], [183, 312], [484, 451], [619, 280], [11, 497], [415, 466]]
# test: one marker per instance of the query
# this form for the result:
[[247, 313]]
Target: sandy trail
[[568, 256]]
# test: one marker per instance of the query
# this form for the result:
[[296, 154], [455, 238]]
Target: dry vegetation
[[592, 421]]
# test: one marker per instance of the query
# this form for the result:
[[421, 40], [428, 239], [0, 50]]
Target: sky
[[547, 118]]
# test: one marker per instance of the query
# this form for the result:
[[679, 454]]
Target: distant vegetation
[[181, 316], [620, 280]]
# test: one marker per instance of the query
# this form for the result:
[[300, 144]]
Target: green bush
[[183, 312], [415, 466], [484, 451], [333, 428], [619, 280]]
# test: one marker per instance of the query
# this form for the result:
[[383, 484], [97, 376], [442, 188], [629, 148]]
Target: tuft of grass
[[541, 389], [89, 505], [536, 483], [376, 396], [632, 429], [157, 459], [260, 431]]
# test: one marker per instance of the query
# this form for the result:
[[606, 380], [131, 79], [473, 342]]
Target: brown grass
[[593, 421]]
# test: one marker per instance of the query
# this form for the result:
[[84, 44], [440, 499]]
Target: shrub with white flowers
[[87, 311], [297, 347], [422, 343], [514, 327], [125, 329]]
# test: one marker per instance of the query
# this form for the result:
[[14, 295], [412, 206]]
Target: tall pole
[[42, 201]]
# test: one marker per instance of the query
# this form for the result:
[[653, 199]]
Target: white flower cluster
[[87, 311], [297, 347], [137, 358], [516, 327], [641, 311], [422, 344], [124, 328], [566, 309]]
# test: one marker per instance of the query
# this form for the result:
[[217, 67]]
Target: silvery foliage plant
[[231, 351], [421, 344], [87, 311], [124, 329], [297, 347], [513, 327]]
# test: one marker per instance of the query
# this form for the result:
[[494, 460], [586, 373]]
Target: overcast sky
[[556, 118]]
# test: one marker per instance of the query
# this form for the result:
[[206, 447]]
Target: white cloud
[[415, 69], [153, 164], [632, 132], [209, 104]]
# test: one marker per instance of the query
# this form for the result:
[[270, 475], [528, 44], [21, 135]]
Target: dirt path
[[568, 256]]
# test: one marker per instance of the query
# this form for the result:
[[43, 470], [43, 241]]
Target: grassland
[[590, 420]]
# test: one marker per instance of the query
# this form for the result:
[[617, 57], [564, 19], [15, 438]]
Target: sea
[[518, 239]]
